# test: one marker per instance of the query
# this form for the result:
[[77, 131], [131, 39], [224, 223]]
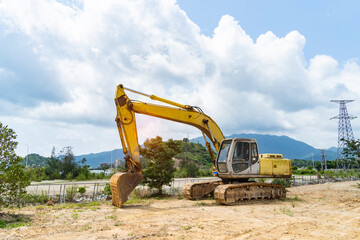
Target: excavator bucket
[[122, 184]]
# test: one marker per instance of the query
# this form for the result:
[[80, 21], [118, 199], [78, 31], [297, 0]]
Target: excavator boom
[[123, 183]]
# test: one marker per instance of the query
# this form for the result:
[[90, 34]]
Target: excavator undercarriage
[[233, 193]]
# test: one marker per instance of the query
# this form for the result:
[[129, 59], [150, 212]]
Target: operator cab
[[237, 155]]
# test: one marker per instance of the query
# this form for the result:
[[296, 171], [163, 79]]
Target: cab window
[[241, 151], [254, 153], [223, 155], [241, 157]]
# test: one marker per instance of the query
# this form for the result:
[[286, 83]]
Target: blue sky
[[268, 67], [330, 27]]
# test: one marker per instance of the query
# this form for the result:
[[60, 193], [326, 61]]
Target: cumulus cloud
[[60, 62]]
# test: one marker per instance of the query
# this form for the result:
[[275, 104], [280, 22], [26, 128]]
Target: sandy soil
[[327, 211]]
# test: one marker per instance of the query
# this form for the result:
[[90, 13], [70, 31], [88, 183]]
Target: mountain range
[[289, 147]]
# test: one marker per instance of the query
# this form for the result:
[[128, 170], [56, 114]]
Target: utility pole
[[344, 128], [27, 155], [111, 164], [323, 159], [312, 154]]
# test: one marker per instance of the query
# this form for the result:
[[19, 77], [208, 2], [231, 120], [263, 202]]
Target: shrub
[[81, 177], [70, 193], [286, 182], [107, 189], [36, 198], [82, 190], [69, 176]]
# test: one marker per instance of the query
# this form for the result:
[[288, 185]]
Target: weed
[[2, 224], [95, 208], [199, 226], [36, 198], [70, 193], [286, 182], [113, 217], [188, 227], [275, 212], [286, 211], [175, 191], [260, 180], [14, 221], [85, 227], [293, 204], [200, 204], [296, 198], [75, 215], [119, 224], [40, 207]]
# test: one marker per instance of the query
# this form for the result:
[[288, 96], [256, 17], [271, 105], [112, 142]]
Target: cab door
[[241, 158], [245, 158]]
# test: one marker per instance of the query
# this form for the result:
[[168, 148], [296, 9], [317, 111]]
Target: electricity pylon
[[344, 127]]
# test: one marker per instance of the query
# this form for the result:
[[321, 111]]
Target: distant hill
[[34, 160], [289, 147], [94, 159]]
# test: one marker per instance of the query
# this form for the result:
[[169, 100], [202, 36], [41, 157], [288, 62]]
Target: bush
[[305, 172], [286, 182], [180, 173], [69, 176], [36, 198], [81, 177], [2, 224], [82, 190], [107, 189], [70, 193]]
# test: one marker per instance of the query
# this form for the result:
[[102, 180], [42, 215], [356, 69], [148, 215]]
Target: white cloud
[[72, 56]]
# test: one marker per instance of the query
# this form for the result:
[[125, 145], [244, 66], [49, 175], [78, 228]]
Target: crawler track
[[233, 193], [200, 189]]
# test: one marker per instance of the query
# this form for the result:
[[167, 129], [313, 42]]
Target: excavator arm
[[123, 183]]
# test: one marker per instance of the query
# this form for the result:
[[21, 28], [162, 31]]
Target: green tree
[[36, 173], [13, 178], [69, 164], [192, 170], [352, 152], [159, 166], [53, 168]]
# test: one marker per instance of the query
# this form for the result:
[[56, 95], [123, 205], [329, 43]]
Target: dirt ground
[[327, 211]]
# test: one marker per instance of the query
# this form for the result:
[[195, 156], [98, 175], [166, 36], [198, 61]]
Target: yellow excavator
[[237, 160]]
